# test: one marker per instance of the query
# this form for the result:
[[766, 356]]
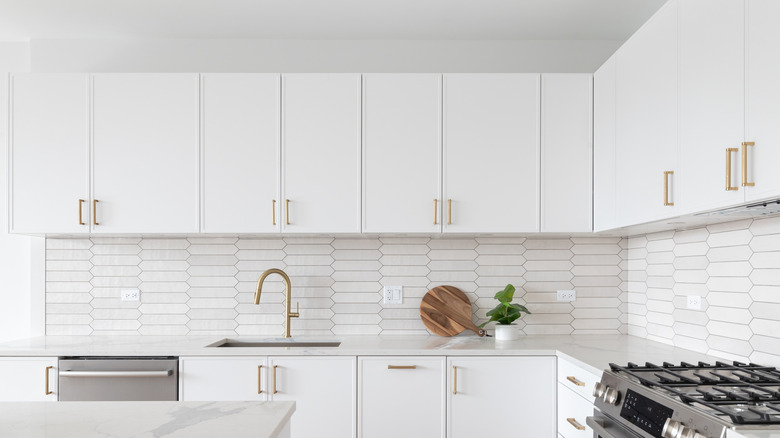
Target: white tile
[[164, 243], [691, 249], [394, 271], [759, 227], [729, 226], [729, 314], [125, 282], [357, 286], [729, 269], [404, 240], [68, 297], [211, 324], [212, 271], [592, 259], [209, 240], [116, 260], [308, 249], [299, 260], [212, 281], [68, 265], [729, 330], [500, 249], [212, 249], [260, 243], [730, 238], [693, 262], [163, 286], [501, 260], [691, 276], [733, 253], [660, 245], [212, 314], [53, 243], [68, 254], [116, 249], [765, 277], [356, 254], [662, 235], [118, 271], [115, 314], [108, 240], [454, 243], [687, 236], [768, 260], [401, 260], [729, 299], [115, 324], [219, 260], [164, 265], [345, 243], [729, 284], [164, 254]]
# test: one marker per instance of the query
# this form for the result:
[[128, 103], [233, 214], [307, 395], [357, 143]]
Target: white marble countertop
[[590, 351], [144, 419]]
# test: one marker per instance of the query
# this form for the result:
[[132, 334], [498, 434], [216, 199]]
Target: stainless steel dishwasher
[[118, 378]]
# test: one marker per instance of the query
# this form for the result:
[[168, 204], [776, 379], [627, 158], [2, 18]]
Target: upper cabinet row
[[685, 113], [300, 153]]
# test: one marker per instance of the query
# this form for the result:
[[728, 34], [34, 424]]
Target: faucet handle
[[295, 314]]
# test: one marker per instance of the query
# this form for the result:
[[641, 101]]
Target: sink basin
[[273, 343]]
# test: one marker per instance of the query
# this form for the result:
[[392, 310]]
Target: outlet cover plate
[[567, 295], [393, 295], [694, 302], [131, 295]]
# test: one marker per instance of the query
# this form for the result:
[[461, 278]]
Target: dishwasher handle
[[69, 373]]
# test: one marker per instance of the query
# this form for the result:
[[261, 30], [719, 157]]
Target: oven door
[[606, 427]]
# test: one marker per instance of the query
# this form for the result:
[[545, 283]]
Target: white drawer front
[[572, 410], [577, 379]]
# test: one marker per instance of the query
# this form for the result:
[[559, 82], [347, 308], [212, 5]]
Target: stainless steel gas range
[[686, 400]]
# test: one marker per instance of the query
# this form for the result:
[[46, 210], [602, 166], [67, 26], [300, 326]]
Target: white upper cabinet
[[145, 153], [401, 153], [491, 153], [321, 153], [240, 131], [763, 99], [49, 153], [646, 136], [712, 89], [567, 153], [604, 166]]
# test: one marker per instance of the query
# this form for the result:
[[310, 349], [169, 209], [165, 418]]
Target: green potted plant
[[505, 314]]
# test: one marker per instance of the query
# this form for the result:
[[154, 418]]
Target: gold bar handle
[[435, 211], [575, 381], [402, 367], [274, 374], [728, 168], [48, 391], [259, 376], [454, 380], [273, 212], [94, 212], [287, 211], [576, 424], [745, 182], [449, 212], [81, 219], [667, 173]]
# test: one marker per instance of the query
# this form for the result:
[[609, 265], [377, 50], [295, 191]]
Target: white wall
[[360, 56], [21, 257]]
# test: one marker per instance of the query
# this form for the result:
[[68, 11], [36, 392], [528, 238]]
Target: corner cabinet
[[28, 379], [322, 387], [145, 153]]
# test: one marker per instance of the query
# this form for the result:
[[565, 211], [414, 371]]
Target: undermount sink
[[273, 343]]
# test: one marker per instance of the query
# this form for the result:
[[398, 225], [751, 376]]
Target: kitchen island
[[145, 419]]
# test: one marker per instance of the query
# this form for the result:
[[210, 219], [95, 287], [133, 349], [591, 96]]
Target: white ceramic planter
[[507, 332]]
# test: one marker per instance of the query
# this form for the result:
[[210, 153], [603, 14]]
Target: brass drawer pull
[[81, 219], [287, 211], [273, 212], [454, 380], [574, 380], [402, 367], [94, 212], [435, 211], [666, 188], [449, 212], [574, 423], [728, 168], [48, 391], [259, 374], [745, 182], [274, 373]]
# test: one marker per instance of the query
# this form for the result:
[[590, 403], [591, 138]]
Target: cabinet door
[[712, 116], [240, 153], [223, 378], [477, 385], [567, 153], [763, 98], [401, 396], [401, 153], [572, 411], [324, 391], [491, 153], [28, 379], [321, 153], [604, 146], [145, 153], [647, 120], [49, 153]]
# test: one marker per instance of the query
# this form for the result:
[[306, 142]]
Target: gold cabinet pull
[[287, 211], [402, 367], [449, 212], [259, 376], [745, 182], [454, 380], [728, 168], [48, 391], [667, 174], [81, 219], [274, 375], [94, 212], [273, 212], [435, 211], [576, 424], [574, 380]]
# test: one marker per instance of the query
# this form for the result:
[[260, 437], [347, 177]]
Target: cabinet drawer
[[578, 379], [572, 410]]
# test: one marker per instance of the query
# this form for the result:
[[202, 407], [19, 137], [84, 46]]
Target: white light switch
[[394, 295], [131, 295], [694, 302], [567, 295]]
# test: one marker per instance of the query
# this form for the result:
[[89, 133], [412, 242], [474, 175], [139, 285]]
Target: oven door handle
[[68, 373], [598, 426]]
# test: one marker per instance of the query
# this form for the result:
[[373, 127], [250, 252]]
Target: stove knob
[[598, 389], [672, 429], [611, 396]]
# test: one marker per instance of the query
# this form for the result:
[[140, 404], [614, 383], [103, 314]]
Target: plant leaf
[[506, 295]]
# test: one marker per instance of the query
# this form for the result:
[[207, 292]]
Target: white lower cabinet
[[479, 387], [402, 397], [572, 411], [28, 379], [323, 388]]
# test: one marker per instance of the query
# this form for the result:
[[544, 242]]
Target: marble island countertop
[[594, 352], [144, 419]]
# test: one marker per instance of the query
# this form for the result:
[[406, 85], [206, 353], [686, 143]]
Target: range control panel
[[646, 414]]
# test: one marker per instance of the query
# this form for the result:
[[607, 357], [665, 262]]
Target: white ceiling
[[325, 19]]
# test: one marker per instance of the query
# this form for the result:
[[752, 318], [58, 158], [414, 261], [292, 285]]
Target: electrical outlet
[[394, 295], [694, 302], [567, 295], [131, 295]]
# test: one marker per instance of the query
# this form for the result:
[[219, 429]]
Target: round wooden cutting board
[[446, 311]]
